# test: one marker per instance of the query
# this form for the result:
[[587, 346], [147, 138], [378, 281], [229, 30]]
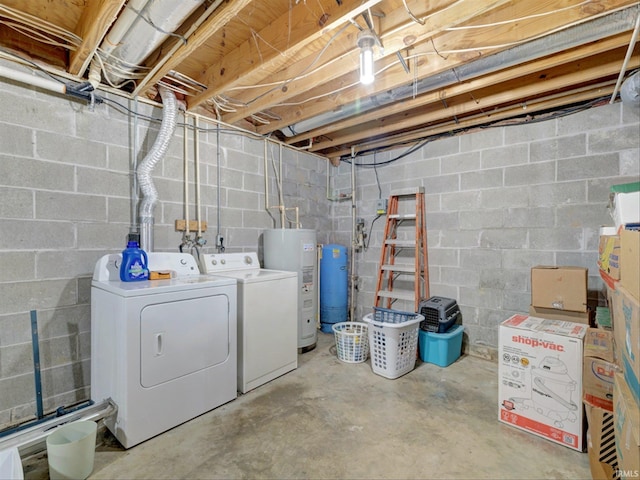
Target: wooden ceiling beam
[[95, 20], [500, 37], [482, 118], [576, 54], [247, 64], [197, 39], [554, 80], [397, 32]]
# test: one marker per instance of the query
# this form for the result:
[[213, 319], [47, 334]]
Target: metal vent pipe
[[603, 27], [157, 152]]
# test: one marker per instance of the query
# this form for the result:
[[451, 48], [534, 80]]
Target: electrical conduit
[[157, 152]]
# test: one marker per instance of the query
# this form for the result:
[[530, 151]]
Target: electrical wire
[[31, 63], [155, 27], [539, 117], [520, 19], [375, 171], [39, 29], [303, 74]]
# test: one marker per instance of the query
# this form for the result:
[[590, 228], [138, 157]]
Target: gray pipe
[[157, 152], [630, 91], [33, 439], [597, 29]]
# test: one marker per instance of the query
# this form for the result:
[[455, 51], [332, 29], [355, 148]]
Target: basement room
[[319, 239]]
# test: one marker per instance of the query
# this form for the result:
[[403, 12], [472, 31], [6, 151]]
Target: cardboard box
[[609, 255], [624, 205], [626, 332], [630, 261], [540, 378], [601, 444], [564, 315], [559, 288], [598, 343], [626, 419], [598, 369]]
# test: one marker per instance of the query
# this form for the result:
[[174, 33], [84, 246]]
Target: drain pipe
[[354, 277], [632, 43], [33, 440], [157, 152]]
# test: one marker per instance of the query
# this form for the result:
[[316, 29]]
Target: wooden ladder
[[403, 259]]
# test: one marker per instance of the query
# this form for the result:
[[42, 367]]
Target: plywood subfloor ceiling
[[290, 68]]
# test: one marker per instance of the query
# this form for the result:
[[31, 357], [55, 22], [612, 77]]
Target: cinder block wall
[[65, 183], [498, 202]]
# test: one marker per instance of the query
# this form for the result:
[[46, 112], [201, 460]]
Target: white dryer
[[163, 350], [267, 316]]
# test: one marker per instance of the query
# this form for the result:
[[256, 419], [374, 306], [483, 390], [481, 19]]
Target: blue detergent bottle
[[134, 262]]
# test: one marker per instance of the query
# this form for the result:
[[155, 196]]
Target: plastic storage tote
[[393, 346], [352, 341], [441, 349]]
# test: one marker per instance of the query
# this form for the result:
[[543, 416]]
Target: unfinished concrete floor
[[331, 420]]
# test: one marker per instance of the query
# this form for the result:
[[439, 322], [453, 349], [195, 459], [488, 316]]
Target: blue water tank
[[333, 286]]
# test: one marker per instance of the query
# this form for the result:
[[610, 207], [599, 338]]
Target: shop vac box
[[540, 378]]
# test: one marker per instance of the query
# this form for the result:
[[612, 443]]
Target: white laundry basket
[[352, 341], [393, 346]]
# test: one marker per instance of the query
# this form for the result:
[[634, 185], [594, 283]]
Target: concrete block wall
[[65, 200], [499, 201]]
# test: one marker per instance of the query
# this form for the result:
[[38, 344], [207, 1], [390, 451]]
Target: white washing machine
[[163, 350], [267, 317]]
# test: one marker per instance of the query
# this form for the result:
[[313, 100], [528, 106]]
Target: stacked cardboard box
[[623, 296], [559, 293], [541, 358], [599, 370]]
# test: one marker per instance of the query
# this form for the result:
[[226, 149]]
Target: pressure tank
[[333, 286], [295, 250]]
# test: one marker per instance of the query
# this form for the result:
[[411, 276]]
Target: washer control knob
[[223, 261], [248, 260], [214, 262]]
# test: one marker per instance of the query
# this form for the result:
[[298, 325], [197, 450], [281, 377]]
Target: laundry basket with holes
[[393, 346], [352, 341]]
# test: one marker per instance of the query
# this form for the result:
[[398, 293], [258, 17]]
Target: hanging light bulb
[[366, 40]]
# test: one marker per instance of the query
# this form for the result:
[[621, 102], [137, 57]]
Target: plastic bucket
[[71, 451], [11, 464]]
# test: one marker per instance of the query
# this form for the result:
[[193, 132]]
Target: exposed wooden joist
[[485, 81], [210, 26], [483, 39], [397, 33], [240, 67], [557, 79], [94, 22], [482, 118]]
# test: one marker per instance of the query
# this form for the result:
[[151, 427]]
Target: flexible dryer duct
[[157, 152]]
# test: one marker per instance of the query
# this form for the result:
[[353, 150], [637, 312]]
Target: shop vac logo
[[534, 342]]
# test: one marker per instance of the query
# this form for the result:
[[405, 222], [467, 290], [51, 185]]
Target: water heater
[[295, 250]]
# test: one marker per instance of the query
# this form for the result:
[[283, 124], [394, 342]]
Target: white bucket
[[71, 450], [11, 464]]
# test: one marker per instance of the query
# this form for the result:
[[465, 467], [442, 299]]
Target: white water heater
[[295, 250]]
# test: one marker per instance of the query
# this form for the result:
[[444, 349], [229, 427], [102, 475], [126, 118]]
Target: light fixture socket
[[366, 41]]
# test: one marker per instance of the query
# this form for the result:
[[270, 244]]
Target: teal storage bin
[[441, 348]]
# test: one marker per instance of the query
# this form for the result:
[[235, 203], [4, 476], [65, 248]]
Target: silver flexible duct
[[157, 152]]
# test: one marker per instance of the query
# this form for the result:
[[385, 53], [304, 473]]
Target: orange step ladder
[[404, 268]]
